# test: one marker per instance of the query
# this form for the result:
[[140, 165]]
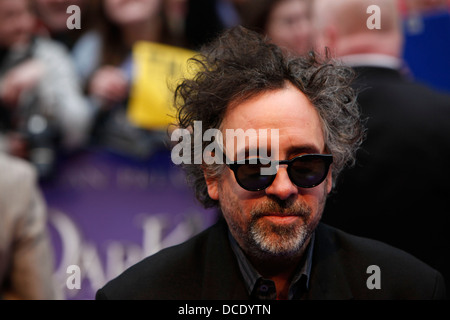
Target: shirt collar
[[251, 276]]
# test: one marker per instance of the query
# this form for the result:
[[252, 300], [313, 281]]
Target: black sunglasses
[[305, 171]]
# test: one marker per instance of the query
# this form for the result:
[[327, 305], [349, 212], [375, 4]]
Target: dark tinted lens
[[250, 178], [308, 171]]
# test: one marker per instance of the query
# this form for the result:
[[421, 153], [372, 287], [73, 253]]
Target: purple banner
[[107, 212]]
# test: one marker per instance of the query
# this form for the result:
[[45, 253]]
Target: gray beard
[[264, 240], [267, 240], [275, 240]]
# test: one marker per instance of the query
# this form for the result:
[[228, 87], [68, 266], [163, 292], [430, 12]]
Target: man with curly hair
[[269, 243]]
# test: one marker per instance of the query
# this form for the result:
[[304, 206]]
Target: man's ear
[[330, 181], [212, 185]]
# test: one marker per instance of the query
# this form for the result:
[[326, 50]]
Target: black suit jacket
[[205, 267], [399, 191]]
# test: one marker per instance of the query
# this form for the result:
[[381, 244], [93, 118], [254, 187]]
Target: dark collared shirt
[[264, 289]]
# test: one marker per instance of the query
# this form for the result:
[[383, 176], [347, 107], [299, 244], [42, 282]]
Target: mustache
[[281, 208]]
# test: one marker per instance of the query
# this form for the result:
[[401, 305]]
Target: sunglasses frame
[[327, 158]]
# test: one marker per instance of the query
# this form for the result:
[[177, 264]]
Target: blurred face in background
[[426, 5], [54, 13], [16, 23], [124, 12], [289, 25]]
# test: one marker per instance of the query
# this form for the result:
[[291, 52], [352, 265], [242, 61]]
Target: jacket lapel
[[328, 279], [222, 279]]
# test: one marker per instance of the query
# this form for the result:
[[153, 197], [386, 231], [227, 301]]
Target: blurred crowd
[[64, 89]]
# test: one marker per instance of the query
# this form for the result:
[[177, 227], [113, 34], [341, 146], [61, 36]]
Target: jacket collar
[[222, 279], [328, 278]]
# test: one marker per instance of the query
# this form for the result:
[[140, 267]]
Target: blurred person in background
[[175, 12], [52, 19], [398, 191], [426, 26], [104, 61], [43, 110], [26, 254], [101, 55], [425, 6], [286, 22], [206, 19]]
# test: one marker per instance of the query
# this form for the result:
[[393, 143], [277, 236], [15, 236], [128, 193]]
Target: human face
[[279, 220], [125, 12], [16, 23], [289, 26]]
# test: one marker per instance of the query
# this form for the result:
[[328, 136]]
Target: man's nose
[[282, 187]]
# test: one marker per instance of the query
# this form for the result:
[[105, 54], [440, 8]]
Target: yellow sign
[[157, 70]]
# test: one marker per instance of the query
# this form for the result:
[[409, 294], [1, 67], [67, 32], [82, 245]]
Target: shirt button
[[264, 288]]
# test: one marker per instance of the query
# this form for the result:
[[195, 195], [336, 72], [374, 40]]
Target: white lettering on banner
[[76, 252]]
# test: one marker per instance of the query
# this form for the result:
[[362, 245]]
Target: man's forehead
[[265, 109], [270, 143], [284, 117]]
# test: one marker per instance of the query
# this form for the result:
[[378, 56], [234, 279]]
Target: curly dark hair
[[241, 64]]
